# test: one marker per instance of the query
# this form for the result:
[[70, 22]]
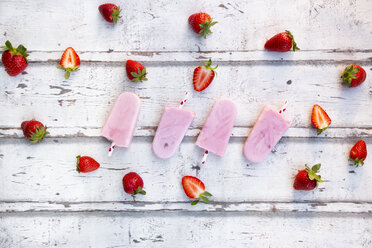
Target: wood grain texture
[[162, 25], [185, 230], [44, 202], [85, 100], [231, 179]]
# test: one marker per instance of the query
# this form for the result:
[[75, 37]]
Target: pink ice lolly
[[171, 130], [217, 129], [122, 121], [266, 133]]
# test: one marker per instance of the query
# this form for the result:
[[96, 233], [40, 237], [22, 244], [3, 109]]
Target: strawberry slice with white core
[[70, 61], [320, 119], [195, 189], [203, 76]]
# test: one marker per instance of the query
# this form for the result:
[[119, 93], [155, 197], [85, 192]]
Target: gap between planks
[[238, 132], [122, 206], [330, 56]]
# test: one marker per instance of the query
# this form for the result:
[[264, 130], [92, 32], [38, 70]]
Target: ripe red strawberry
[[133, 184], [34, 131], [358, 153], [86, 164], [14, 59], [201, 23], [203, 76], [353, 75], [282, 42], [195, 189], [110, 12], [135, 71], [70, 61], [307, 179], [320, 119]]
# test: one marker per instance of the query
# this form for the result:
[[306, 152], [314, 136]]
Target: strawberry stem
[[206, 28], [77, 163], [294, 44], [349, 75], [115, 15]]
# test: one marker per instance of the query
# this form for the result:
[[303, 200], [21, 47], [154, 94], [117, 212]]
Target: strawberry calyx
[[139, 190], [208, 64], [206, 28], [77, 163], [349, 75], [68, 70], [294, 44], [357, 161], [115, 15], [38, 135], [312, 173], [320, 130], [139, 75], [202, 197], [20, 50]]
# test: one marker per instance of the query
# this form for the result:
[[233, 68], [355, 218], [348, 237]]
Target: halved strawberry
[[320, 119], [195, 189], [358, 153], [70, 61], [136, 72], [203, 76]]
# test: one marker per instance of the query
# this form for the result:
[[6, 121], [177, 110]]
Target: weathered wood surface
[[44, 202], [181, 229]]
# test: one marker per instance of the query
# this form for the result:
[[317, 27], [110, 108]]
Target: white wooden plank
[[46, 172], [324, 56], [162, 25], [140, 206], [69, 132], [186, 230], [84, 101]]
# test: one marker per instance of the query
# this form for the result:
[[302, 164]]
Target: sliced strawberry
[[195, 189], [70, 61], [203, 76], [358, 153], [201, 24], [320, 119], [353, 76], [136, 72]]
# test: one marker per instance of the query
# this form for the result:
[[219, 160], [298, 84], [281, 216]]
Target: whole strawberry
[[282, 42], [86, 164], [110, 12], [14, 59], [353, 76], [33, 130], [358, 153], [135, 71], [307, 179], [203, 76], [70, 61], [201, 24], [133, 184], [195, 189]]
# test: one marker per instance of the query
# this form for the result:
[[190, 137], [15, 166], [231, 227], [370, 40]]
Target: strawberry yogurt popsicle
[[122, 121], [266, 133], [216, 132], [171, 130]]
